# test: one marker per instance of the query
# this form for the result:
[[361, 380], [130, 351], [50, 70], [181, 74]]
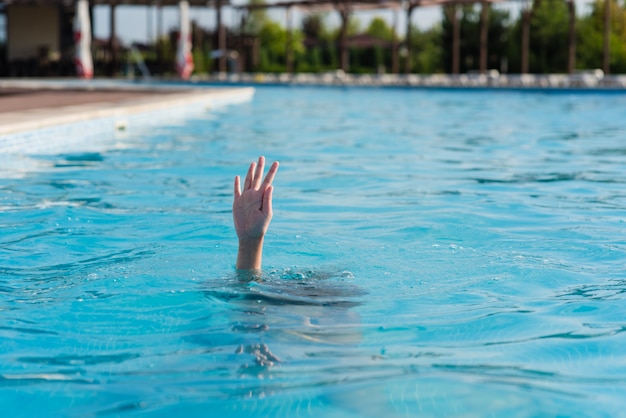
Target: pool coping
[[584, 80]]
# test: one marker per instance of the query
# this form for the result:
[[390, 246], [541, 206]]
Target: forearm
[[250, 254]]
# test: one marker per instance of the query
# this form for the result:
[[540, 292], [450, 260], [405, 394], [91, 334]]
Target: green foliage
[[378, 28], [497, 34], [313, 26], [426, 54], [549, 37], [431, 49], [273, 39], [257, 18], [320, 53], [353, 28], [202, 62], [590, 38]]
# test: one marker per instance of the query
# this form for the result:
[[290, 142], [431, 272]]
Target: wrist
[[250, 253], [250, 243]]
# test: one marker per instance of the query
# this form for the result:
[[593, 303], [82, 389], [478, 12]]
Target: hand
[[252, 207], [252, 213]]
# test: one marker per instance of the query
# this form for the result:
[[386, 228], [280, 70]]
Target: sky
[[139, 23]]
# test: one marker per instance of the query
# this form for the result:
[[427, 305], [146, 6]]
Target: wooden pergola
[[218, 5], [212, 4], [345, 8]]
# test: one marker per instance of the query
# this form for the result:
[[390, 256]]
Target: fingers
[[269, 178], [237, 190], [249, 177], [258, 174], [255, 175]]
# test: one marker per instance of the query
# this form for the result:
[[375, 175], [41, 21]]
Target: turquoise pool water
[[433, 253]]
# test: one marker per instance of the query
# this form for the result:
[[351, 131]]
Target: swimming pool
[[432, 253]]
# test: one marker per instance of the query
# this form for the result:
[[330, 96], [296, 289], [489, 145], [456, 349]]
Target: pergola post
[[484, 38], [343, 39], [606, 56], [242, 45], [159, 36], [526, 14], [149, 31], [452, 12], [571, 50], [112, 41], [407, 41], [159, 23], [395, 60], [288, 46], [221, 39]]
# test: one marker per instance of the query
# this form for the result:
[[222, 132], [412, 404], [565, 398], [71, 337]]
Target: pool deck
[[27, 105]]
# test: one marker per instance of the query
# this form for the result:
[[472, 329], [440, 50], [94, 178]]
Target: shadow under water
[[287, 308]]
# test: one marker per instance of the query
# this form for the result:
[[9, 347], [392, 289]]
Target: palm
[[250, 219], [252, 207]]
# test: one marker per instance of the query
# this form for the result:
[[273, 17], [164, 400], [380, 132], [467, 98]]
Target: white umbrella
[[184, 61], [82, 37]]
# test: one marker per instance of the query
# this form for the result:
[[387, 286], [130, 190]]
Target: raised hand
[[252, 213]]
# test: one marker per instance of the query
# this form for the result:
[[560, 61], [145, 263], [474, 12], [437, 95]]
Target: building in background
[[39, 38]]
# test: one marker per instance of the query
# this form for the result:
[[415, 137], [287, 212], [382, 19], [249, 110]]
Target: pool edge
[[26, 122]]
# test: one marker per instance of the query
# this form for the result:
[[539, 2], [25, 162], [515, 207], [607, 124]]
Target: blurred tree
[[315, 46], [353, 28], [549, 37], [316, 42], [590, 38], [426, 54], [378, 28], [273, 39], [377, 56], [257, 18], [201, 50], [469, 21], [313, 26]]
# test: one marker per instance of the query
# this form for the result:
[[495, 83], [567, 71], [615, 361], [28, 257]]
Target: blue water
[[432, 253]]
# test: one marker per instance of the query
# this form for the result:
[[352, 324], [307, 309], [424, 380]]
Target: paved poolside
[[32, 105]]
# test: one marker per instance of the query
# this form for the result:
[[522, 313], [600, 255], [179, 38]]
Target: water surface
[[433, 253]]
